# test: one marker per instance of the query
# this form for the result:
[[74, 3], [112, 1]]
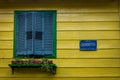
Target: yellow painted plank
[[6, 78], [6, 17], [73, 17], [88, 26], [74, 35], [6, 44], [107, 53], [34, 78], [88, 17], [88, 35], [6, 26], [89, 7], [111, 53], [88, 62], [4, 53], [6, 35], [76, 62], [62, 72], [101, 44], [61, 78]]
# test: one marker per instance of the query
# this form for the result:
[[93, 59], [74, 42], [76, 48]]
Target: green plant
[[45, 65]]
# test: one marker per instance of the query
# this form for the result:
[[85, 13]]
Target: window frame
[[54, 33]]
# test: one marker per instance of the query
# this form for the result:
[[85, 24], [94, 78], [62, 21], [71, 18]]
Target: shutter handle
[[38, 35], [29, 35]]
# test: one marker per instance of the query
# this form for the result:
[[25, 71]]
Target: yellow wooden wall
[[76, 20]]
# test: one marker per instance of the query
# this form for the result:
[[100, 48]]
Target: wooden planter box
[[51, 67]]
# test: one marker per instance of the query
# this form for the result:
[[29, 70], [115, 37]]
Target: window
[[35, 34]]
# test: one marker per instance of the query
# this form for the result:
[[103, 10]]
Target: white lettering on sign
[[88, 44]]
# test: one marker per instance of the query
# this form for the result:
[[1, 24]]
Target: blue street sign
[[88, 45]]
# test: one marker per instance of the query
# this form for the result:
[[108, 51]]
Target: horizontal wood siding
[[76, 62], [76, 20], [66, 53], [61, 78], [73, 35], [74, 17], [72, 44], [65, 72]]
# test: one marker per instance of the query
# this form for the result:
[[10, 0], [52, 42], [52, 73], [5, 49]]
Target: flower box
[[44, 65]]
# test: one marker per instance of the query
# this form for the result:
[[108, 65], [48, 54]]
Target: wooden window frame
[[54, 34]]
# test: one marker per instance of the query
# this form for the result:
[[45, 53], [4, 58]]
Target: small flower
[[50, 62], [13, 62]]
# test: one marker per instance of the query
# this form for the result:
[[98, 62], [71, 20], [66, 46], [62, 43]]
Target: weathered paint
[[77, 20]]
